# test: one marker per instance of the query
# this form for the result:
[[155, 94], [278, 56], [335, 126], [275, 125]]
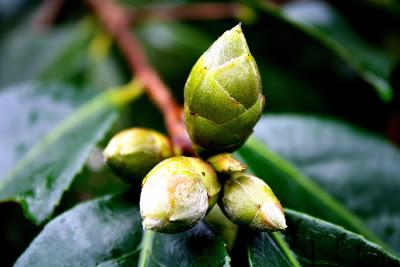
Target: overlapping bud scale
[[223, 98]]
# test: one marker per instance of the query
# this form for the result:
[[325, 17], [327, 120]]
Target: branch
[[47, 13], [198, 11], [117, 20]]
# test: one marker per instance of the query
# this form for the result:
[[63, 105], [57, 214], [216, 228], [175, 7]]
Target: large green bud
[[223, 97], [247, 200], [177, 194], [132, 153]]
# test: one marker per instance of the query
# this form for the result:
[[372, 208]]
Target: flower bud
[[226, 164], [177, 193], [247, 200], [132, 153], [223, 98]]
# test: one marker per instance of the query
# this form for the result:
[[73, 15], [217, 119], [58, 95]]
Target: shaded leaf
[[319, 243], [39, 179], [357, 168], [58, 53], [278, 84], [9, 8], [263, 250], [108, 232], [87, 235], [319, 20], [316, 243], [31, 110], [295, 190]]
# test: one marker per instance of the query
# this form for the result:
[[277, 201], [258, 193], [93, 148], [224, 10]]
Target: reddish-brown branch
[[47, 13], [116, 20], [198, 11]]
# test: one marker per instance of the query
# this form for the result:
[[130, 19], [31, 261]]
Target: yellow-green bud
[[247, 200], [223, 98], [226, 164], [177, 193], [132, 153]]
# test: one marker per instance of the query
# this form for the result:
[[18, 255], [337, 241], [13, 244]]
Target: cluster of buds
[[179, 191], [223, 102]]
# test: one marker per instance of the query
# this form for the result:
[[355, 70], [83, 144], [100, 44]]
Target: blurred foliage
[[328, 59]]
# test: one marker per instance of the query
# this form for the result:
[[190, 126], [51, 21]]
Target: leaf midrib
[[296, 176]]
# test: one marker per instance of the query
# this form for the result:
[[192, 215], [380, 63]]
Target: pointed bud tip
[[226, 163], [238, 28], [273, 216]]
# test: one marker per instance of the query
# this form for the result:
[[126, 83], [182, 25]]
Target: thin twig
[[197, 11], [116, 20], [47, 13]]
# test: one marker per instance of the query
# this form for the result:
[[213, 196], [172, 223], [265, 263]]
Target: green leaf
[[297, 191], [357, 168], [320, 21], [32, 109], [108, 232], [59, 53], [278, 84], [39, 179], [319, 243], [268, 249], [315, 243], [8, 9]]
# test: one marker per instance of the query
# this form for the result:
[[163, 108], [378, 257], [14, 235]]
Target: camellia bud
[[177, 193], [223, 98], [132, 153], [247, 200], [226, 164]]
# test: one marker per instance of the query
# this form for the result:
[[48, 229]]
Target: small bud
[[132, 153], [177, 193], [247, 200], [226, 164], [223, 98]]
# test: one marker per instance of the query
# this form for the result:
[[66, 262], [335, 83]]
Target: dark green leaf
[[264, 250], [278, 84], [295, 190], [108, 232], [319, 243], [320, 21], [315, 243], [31, 110], [58, 53], [196, 247], [39, 179], [87, 235], [359, 169]]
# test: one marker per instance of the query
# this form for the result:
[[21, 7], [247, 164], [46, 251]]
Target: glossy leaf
[[315, 243], [358, 168], [108, 232], [39, 179], [59, 53], [32, 109], [295, 190], [102, 69], [8, 9], [269, 249], [319, 20], [279, 83], [319, 243]]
